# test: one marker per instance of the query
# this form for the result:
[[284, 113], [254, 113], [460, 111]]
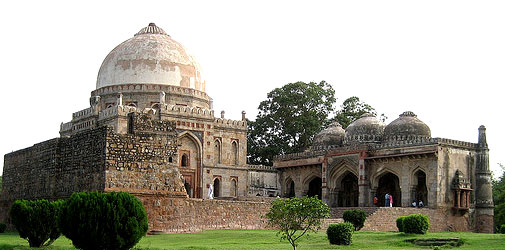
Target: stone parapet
[[262, 168], [405, 143], [220, 123], [456, 143], [178, 110], [85, 113], [153, 88]]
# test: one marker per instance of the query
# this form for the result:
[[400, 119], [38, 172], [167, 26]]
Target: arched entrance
[[217, 187], [421, 191], [315, 188], [349, 192], [390, 184], [291, 189]]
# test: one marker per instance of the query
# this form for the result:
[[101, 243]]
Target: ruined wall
[[144, 159], [54, 169], [190, 215]]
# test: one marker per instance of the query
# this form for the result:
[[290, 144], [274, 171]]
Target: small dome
[[150, 57], [365, 129], [407, 127], [333, 135]]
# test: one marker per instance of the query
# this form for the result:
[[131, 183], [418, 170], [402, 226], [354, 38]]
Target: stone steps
[[338, 212]]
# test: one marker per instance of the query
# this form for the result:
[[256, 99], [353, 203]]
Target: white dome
[[150, 57]]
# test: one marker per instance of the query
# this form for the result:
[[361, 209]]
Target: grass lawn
[[267, 240]]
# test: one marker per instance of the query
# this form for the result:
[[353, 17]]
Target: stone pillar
[[324, 187], [484, 214], [363, 182]]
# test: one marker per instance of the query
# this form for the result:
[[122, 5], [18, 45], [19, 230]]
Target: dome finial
[[151, 29]]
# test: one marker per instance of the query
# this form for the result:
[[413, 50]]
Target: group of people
[[419, 204], [388, 201], [387, 198]]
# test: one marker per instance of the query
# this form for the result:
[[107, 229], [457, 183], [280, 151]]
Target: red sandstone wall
[[441, 220], [189, 215]]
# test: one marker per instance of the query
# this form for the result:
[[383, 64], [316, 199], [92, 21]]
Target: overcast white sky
[[443, 60]]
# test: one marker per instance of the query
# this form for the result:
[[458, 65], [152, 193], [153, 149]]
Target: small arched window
[[234, 150], [217, 151], [184, 160]]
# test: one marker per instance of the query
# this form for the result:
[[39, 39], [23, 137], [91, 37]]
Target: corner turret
[[484, 214]]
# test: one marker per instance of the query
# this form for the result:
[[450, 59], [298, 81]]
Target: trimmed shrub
[[502, 229], [399, 223], [416, 224], [107, 221], [2, 227], [36, 221], [340, 234], [355, 216]]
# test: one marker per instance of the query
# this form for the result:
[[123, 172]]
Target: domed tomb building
[[367, 160], [150, 129]]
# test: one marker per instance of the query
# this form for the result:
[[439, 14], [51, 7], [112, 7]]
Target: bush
[[416, 224], [355, 216], [340, 234], [108, 221], [500, 230], [36, 221], [399, 223], [2, 227]]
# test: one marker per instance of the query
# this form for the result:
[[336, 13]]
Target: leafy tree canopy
[[295, 217], [352, 108], [288, 120]]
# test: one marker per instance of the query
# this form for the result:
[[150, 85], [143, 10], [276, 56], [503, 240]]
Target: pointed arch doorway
[[315, 188], [389, 184]]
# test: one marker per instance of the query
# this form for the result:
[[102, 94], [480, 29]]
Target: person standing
[[386, 200], [211, 192], [390, 200], [375, 201]]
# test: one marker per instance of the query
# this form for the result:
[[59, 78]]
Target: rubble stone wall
[[174, 215], [144, 160], [55, 169]]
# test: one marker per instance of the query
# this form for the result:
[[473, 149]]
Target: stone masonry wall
[[144, 159], [441, 220], [176, 215], [54, 169]]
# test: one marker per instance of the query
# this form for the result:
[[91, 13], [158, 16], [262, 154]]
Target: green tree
[[288, 120], [351, 109], [36, 221], [295, 217], [499, 198]]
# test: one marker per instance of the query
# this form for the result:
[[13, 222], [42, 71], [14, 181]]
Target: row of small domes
[[369, 129]]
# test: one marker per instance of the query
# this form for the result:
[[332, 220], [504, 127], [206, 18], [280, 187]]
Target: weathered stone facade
[[150, 130], [348, 168]]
